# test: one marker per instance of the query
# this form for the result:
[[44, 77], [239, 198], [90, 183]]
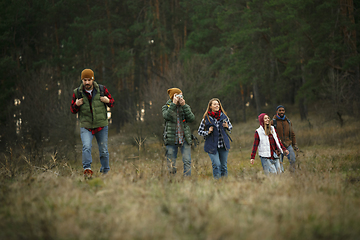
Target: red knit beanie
[[261, 119], [87, 73]]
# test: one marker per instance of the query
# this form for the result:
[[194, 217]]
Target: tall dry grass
[[139, 200]]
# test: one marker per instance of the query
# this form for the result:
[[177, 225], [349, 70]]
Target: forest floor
[[138, 199]]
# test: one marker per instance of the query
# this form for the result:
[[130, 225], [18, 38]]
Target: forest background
[[253, 55]]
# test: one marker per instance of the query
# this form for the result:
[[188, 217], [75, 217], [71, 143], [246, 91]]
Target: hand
[[252, 161], [182, 101], [211, 129], [79, 102], [175, 100], [105, 99], [225, 125], [286, 152]]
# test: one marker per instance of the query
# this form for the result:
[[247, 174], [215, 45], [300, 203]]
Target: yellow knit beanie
[[87, 73], [172, 91]]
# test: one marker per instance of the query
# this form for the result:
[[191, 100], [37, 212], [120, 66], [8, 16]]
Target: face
[[214, 106], [281, 112], [88, 83], [266, 120]]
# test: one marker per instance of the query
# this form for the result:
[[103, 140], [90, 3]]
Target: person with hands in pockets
[[213, 128]]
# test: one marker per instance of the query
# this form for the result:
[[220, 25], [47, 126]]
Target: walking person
[[91, 100], [177, 134], [286, 134], [213, 127], [270, 147]]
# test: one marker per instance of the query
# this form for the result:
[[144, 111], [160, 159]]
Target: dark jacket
[[285, 131], [169, 111], [211, 141]]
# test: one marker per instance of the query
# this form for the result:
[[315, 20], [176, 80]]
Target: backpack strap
[[274, 122], [79, 93], [165, 125], [289, 127], [101, 87], [102, 93]]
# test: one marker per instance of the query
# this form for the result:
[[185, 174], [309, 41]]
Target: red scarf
[[215, 114]]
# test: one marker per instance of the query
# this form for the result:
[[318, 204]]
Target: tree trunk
[[302, 105], [109, 29], [272, 79], [347, 10], [356, 105], [257, 96], [243, 103]]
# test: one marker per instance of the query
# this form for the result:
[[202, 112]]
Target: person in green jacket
[[90, 101], [177, 134]]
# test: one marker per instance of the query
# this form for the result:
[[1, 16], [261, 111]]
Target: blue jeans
[[102, 140], [219, 163], [171, 155], [291, 158], [270, 165]]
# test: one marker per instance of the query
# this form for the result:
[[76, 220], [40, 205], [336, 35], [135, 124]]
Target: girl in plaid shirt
[[213, 128], [269, 144]]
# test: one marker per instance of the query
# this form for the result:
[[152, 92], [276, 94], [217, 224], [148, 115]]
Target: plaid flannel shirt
[[203, 132], [180, 135], [273, 145]]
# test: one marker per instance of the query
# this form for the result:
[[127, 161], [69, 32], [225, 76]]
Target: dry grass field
[[139, 200]]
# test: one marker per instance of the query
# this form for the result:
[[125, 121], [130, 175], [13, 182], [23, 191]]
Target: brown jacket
[[283, 130]]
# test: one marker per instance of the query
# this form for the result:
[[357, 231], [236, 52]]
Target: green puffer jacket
[[98, 117], [169, 113]]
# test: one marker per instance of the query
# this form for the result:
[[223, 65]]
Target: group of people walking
[[273, 139], [215, 127]]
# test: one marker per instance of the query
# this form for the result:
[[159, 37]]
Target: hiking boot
[[88, 173]]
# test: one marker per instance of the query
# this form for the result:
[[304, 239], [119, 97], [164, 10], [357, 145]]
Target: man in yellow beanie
[[90, 100], [177, 133]]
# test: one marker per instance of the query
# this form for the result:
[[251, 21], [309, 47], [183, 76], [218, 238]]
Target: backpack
[[80, 93]]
